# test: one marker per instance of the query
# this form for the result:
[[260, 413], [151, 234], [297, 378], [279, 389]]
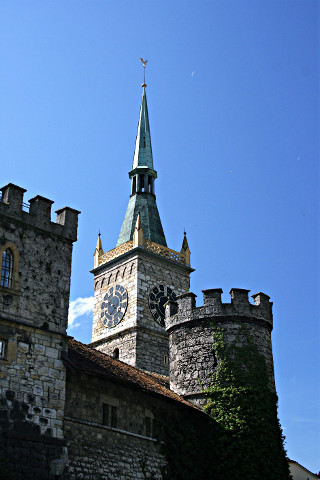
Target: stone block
[[52, 352]]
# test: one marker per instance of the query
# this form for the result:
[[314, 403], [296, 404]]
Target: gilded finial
[[144, 63]]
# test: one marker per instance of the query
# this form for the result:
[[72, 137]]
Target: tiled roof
[[92, 362]]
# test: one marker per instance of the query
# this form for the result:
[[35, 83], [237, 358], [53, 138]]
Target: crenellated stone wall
[[42, 250], [190, 328], [33, 321]]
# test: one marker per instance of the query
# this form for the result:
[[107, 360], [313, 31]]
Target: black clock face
[[159, 295], [114, 305]]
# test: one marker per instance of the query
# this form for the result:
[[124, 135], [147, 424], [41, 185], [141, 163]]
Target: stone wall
[[141, 341], [33, 321], [32, 398], [123, 272], [98, 448], [192, 359], [102, 453], [39, 293]]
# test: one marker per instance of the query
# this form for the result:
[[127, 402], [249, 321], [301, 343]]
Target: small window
[[166, 360], [7, 268], [3, 348], [116, 353], [105, 420], [114, 414], [156, 430], [110, 415], [148, 427]]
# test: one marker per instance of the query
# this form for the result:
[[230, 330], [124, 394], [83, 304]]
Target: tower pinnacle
[[143, 177]]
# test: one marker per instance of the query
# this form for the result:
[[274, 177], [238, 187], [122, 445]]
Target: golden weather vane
[[144, 63]]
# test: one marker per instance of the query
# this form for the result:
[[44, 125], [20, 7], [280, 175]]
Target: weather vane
[[144, 63]]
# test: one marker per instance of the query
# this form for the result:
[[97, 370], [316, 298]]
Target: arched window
[[116, 353], [7, 268]]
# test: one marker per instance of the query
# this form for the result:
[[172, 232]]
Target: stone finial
[[13, 195], [212, 296], [171, 308], [263, 301], [69, 218], [187, 301], [138, 236], [41, 207], [261, 298], [98, 251], [185, 249], [239, 295]]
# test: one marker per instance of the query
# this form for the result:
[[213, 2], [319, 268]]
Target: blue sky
[[233, 97]]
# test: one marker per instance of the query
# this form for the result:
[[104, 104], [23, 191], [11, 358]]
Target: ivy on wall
[[241, 438], [189, 449], [240, 400]]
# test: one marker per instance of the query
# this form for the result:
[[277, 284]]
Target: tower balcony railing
[[164, 252], [116, 252], [152, 247]]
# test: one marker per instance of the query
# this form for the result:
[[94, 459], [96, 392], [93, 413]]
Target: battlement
[[185, 309], [39, 215]]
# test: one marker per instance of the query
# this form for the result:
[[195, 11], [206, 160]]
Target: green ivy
[[241, 401], [241, 438], [189, 450], [5, 473]]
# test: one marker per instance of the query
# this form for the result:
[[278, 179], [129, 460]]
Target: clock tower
[[133, 281]]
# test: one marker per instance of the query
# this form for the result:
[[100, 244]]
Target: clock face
[[159, 295], [114, 305]]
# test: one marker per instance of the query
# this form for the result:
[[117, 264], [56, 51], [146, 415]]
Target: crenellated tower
[[133, 281], [35, 278], [35, 274], [190, 329]]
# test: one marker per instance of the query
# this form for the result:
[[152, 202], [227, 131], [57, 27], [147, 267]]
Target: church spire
[[142, 177], [143, 151], [143, 174]]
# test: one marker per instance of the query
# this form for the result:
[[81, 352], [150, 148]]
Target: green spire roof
[[143, 151], [150, 219], [143, 175]]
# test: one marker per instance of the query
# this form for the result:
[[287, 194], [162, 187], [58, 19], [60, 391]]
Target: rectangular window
[[3, 348], [156, 431], [109, 415], [148, 427], [113, 416], [105, 420]]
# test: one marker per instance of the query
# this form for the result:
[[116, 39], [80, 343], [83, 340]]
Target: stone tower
[[190, 328], [133, 281], [35, 274]]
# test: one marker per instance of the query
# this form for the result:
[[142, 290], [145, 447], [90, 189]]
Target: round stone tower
[[190, 328]]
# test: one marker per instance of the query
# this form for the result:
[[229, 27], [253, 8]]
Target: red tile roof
[[92, 362]]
